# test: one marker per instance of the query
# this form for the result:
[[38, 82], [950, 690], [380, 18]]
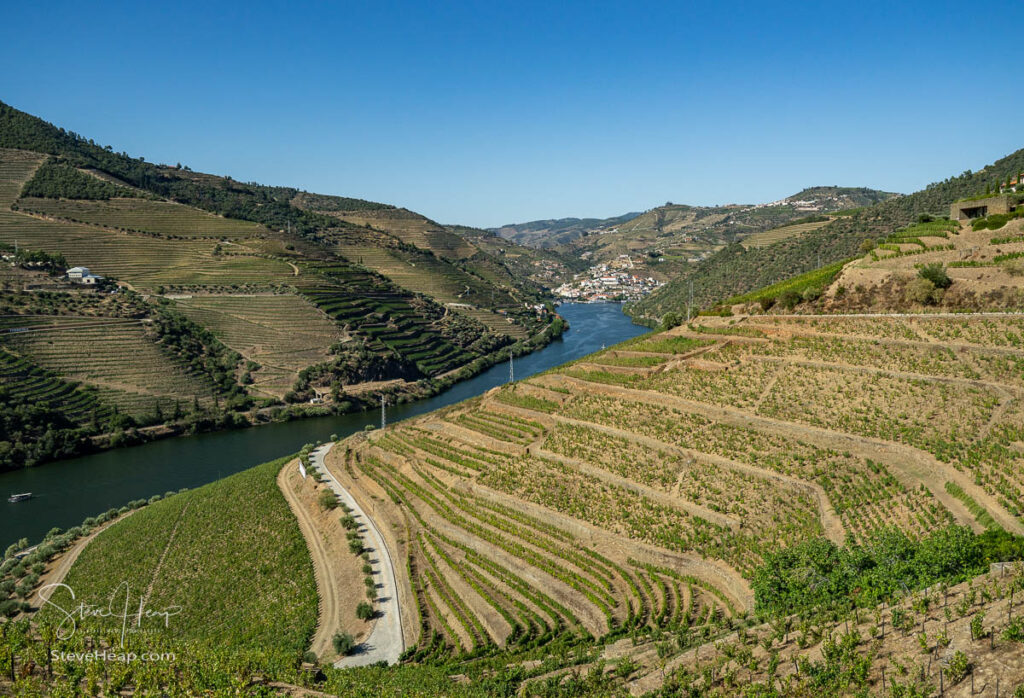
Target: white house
[[82, 275]]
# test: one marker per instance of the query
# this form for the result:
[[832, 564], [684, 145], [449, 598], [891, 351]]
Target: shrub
[[355, 546], [343, 643], [936, 273], [327, 500], [789, 299], [923, 291], [978, 631], [364, 611], [670, 320], [867, 245]]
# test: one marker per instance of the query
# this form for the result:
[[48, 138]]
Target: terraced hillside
[[143, 215], [119, 358], [982, 264], [662, 473], [773, 235], [736, 270]]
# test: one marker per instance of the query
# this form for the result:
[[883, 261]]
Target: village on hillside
[[616, 280]]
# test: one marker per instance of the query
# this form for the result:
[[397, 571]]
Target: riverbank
[[68, 491]]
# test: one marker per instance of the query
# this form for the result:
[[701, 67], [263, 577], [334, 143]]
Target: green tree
[[364, 611], [343, 643], [670, 320]]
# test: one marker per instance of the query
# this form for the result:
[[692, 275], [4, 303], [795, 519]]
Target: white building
[[82, 275]]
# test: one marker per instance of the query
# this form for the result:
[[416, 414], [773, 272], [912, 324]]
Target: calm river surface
[[66, 492]]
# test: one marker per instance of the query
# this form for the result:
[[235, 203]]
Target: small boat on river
[[20, 497]]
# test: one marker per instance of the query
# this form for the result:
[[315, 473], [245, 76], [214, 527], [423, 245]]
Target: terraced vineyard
[[768, 237], [116, 357], [140, 259], [16, 168], [660, 474], [282, 333], [23, 381], [143, 215]]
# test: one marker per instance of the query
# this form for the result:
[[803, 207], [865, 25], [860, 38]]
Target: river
[[66, 492]]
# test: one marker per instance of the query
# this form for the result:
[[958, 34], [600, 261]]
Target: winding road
[[386, 642]]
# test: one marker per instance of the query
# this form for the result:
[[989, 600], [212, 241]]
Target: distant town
[[616, 280]]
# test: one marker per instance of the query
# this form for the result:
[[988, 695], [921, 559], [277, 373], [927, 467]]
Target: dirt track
[[327, 590]]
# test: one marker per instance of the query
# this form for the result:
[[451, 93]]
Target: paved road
[[386, 642]]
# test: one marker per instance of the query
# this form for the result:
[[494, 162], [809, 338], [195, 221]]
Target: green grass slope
[[227, 559]]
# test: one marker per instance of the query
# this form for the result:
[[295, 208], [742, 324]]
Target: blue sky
[[486, 113]]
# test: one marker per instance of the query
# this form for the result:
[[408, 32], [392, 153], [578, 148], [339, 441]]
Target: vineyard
[[768, 237], [144, 216], [647, 517], [307, 323], [221, 566], [118, 358], [282, 333], [643, 489]]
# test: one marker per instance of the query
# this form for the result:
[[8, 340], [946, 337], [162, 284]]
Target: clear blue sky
[[486, 113]]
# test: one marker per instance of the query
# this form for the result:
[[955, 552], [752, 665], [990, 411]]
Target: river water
[[66, 492]]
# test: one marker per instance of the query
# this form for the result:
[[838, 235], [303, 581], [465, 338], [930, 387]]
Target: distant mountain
[[735, 269], [553, 232]]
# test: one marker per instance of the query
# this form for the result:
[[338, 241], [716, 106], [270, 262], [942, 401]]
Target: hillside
[[735, 270], [231, 298], [648, 517], [553, 232]]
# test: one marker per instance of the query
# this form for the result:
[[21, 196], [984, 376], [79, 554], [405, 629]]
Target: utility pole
[[689, 306], [383, 412]]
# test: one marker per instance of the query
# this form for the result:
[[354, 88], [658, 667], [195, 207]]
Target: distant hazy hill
[[666, 238], [735, 270], [557, 231]]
